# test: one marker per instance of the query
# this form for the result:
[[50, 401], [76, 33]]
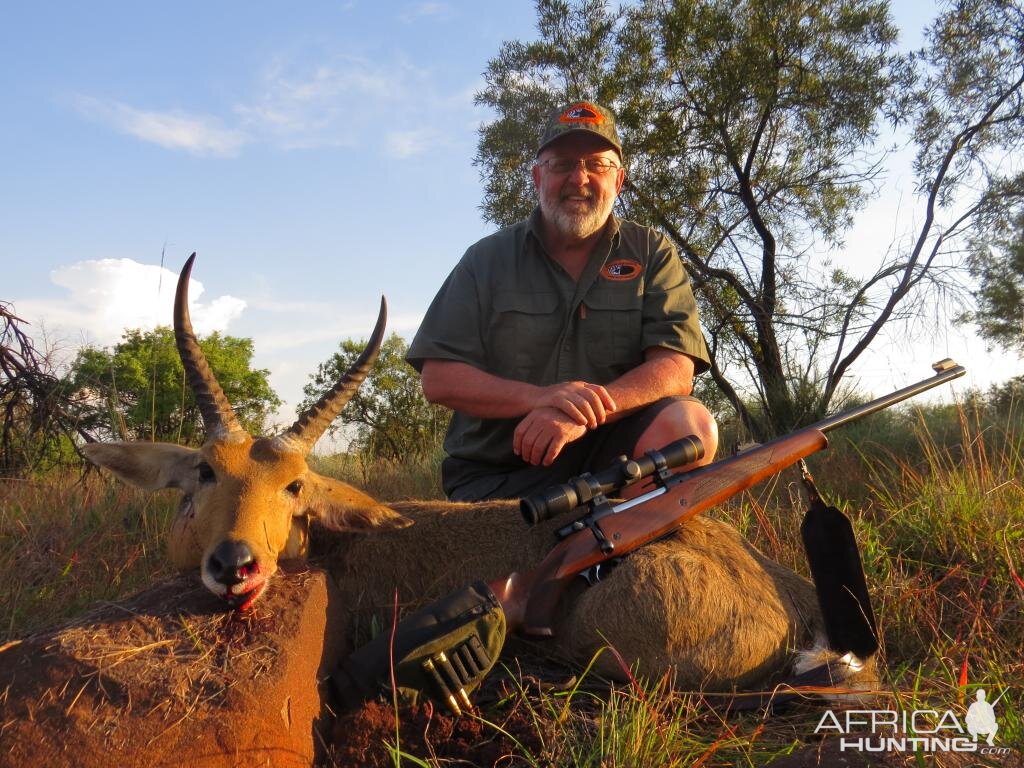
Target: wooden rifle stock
[[530, 599]]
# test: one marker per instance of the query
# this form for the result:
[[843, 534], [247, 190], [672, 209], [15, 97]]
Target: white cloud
[[418, 11], [106, 296], [402, 144], [198, 134], [340, 103], [392, 106]]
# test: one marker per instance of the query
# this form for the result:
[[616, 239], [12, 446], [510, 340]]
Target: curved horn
[[218, 417], [304, 433]]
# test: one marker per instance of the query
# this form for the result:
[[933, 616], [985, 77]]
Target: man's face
[[578, 202]]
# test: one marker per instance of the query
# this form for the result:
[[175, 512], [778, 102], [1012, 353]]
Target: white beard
[[574, 223]]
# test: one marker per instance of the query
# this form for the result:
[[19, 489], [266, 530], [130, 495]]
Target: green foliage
[[138, 390], [38, 451], [390, 417], [1007, 397], [750, 131], [969, 101], [1000, 275], [37, 424]]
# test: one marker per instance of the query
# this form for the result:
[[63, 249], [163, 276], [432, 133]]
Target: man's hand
[[542, 435], [586, 404]]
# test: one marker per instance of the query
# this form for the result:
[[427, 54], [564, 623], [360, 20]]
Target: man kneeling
[[567, 339]]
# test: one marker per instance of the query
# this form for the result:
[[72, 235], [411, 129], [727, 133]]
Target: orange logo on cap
[[621, 270], [582, 113]]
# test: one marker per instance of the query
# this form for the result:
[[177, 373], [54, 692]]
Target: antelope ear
[[150, 466], [341, 507]]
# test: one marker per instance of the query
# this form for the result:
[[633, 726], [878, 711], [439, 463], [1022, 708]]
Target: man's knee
[[703, 424], [677, 419]]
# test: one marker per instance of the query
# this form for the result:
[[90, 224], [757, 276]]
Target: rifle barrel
[[945, 370]]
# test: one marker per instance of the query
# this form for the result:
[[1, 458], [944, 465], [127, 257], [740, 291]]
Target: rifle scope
[[557, 499]]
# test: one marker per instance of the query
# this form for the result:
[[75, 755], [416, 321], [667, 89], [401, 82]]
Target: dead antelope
[[702, 601], [245, 501]]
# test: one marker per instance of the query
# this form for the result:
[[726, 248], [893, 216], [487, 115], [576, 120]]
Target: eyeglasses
[[563, 165]]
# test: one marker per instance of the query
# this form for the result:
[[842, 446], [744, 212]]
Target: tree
[[999, 271], [137, 390], [750, 133], [391, 418], [37, 422]]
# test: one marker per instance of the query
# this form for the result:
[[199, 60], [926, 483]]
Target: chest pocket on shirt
[[612, 328], [523, 334]]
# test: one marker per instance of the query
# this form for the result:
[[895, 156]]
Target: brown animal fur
[[702, 600]]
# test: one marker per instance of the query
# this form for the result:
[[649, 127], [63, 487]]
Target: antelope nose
[[231, 562]]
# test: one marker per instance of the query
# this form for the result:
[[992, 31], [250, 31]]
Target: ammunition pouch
[[443, 651]]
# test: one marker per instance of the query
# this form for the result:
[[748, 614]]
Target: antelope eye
[[206, 473], [294, 487]]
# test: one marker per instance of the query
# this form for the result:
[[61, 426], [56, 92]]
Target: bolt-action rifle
[[609, 530], [448, 647]]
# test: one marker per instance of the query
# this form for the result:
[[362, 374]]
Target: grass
[[67, 542], [936, 500], [651, 724], [416, 478]]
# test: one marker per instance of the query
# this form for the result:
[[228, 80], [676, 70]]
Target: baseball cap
[[581, 116]]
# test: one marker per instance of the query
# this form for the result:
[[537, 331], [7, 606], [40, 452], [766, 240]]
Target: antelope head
[[246, 501]]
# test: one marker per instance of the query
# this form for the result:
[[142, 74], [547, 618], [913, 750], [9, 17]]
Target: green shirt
[[509, 309]]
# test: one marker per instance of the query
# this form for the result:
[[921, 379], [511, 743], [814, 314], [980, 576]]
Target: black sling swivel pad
[[443, 652]]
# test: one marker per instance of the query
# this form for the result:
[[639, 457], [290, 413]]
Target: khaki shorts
[[479, 481]]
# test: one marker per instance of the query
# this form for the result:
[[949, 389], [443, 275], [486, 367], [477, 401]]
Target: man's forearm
[[462, 387], [663, 374]]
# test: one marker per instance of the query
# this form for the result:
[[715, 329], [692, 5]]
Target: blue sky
[[315, 155]]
